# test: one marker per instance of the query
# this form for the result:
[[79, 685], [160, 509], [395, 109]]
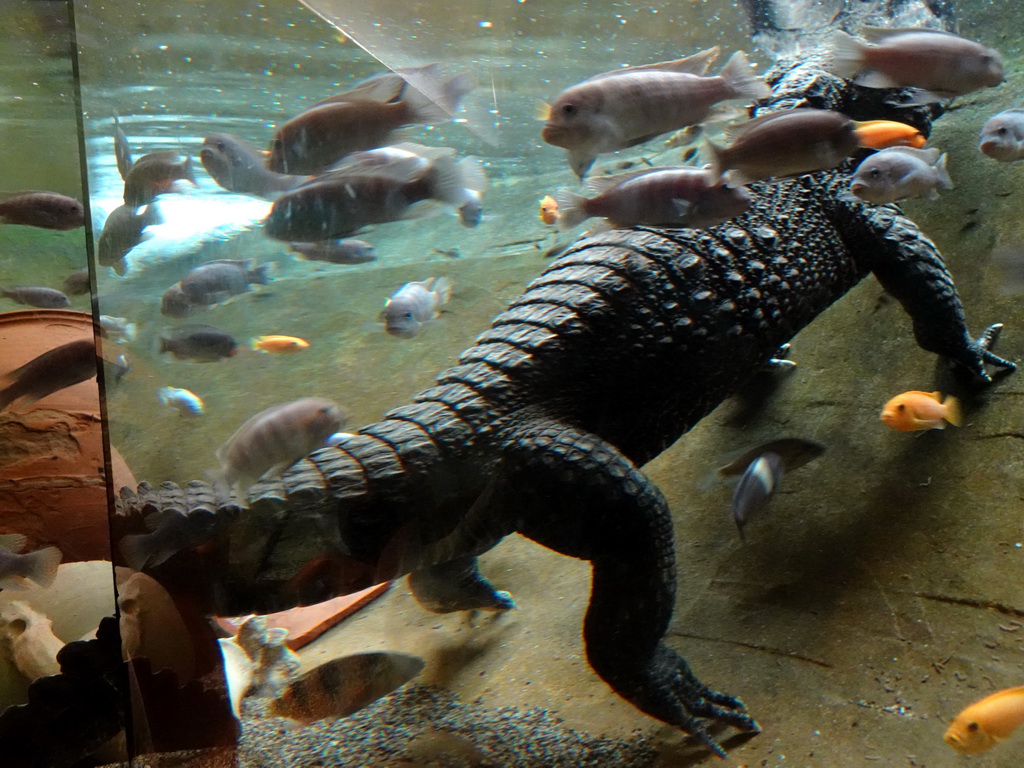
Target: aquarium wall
[[395, 384]]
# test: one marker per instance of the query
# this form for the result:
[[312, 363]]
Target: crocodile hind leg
[[457, 585], [579, 496]]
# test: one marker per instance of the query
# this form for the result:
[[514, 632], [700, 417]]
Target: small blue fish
[[182, 400]]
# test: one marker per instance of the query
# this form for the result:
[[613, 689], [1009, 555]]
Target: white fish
[[755, 488], [39, 566], [118, 329], [182, 400], [1002, 137], [897, 173], [238, 672], [413, 305], [274, 439]]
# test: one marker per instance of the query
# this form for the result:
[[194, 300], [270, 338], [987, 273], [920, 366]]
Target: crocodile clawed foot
[[982, 346], [671, 692]]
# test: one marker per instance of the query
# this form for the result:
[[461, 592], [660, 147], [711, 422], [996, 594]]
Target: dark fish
[[201, 343], [347, 251], [77, 283], [239, 167], [46, 210], [344, 686], [342, 202], [37, 296], [51, 371], [787, 143], [385, 86], [174, 303], [154, 174], [275, 438], [315, 139], [122, 231], [39, 566], [170, 533], [216, 281], [794, 452], [755, 488], [122, 151]]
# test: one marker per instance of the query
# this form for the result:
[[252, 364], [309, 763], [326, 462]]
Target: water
[[879, 596]]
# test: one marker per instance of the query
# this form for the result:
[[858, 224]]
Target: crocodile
[[625, 342]]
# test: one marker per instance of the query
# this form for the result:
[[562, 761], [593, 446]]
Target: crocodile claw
[[982, 346]]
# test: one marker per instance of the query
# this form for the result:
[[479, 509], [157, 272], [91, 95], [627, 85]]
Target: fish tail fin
[[446, 181], [717, 164], [41, 566], [743, 83], [137, 550], [187, 172], [433, 101], [954, 413], [847, 55], [472, 172], [261, 274], [572, 209], [442, 286], [942, 174]]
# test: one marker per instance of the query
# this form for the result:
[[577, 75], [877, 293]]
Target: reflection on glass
[[304, 212]]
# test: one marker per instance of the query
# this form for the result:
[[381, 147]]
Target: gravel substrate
[[428, 726]]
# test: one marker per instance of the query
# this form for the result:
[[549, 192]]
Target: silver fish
[[755, 488], [626, 107], [897, 173], [237, 166], [37, 296], [275, 438], [46, 210], [122, 231], [154, 174], [345, 251], [77, 283], [219, 280], [51, 371], [1002, 136], [940, 64], [39, 566], [657, 197], [415, 304]]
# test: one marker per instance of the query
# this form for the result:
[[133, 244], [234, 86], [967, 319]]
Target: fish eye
[[972, 727], [1001, 131], [569, 110], [901, 407], [407, 315], [874, 173]]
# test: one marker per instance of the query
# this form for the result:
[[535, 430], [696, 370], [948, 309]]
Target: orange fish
[[987, 721], [279, 344], [549, 210], [915, 410], [879, 134]]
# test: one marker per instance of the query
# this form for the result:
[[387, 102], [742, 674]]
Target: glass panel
[[251, 337]]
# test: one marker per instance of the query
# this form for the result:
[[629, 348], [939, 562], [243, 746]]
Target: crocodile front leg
[[579, 496], [910, 268]]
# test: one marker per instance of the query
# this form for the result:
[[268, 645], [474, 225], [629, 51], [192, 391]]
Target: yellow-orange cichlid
[[879, 134], [978, 727], [279, 344], [915, 410], [548, 210]]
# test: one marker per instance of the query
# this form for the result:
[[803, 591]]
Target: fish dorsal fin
[[401, 170], [599, 184], [430, 153], [13, 541], [929, 155], [875, 35], [735, 130], [697, 64]]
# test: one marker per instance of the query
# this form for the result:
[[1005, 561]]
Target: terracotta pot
[[52, 486]]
